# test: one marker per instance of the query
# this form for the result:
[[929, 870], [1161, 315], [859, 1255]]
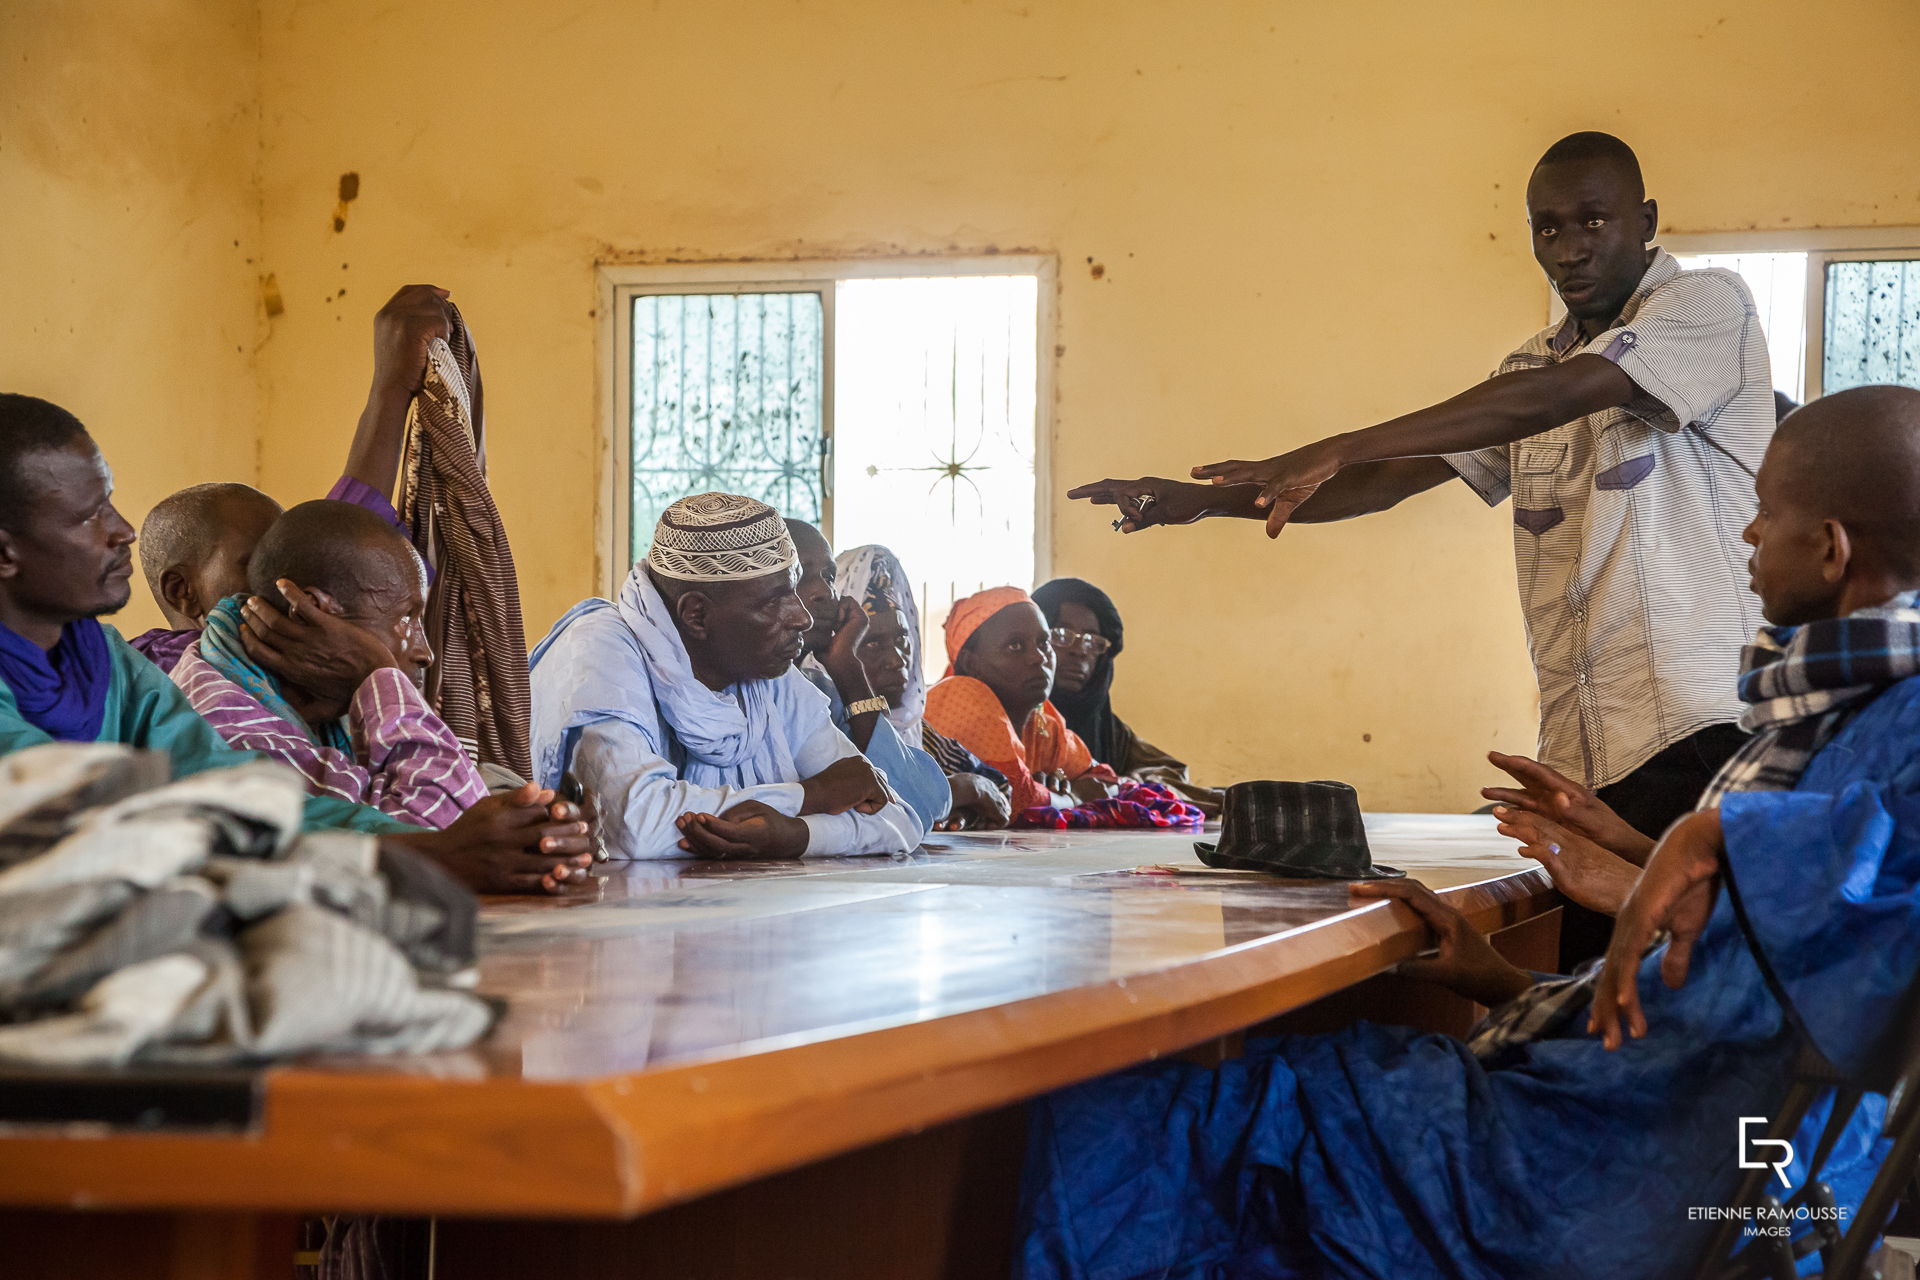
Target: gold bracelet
[[865, 705]]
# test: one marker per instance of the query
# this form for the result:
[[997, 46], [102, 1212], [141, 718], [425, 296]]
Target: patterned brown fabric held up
[[478, 680]]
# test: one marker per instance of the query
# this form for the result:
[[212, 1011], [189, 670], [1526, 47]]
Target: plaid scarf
[[478, 681], [1800, 684]]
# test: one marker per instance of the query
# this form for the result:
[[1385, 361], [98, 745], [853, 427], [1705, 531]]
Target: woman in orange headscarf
[[1001, 670]]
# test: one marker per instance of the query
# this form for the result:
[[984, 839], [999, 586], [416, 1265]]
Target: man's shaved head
[[184, 530], [1591, 149], [344, 550], [1854, 456]]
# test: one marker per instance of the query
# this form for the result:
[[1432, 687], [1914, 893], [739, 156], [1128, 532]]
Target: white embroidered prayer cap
[[720, 537]]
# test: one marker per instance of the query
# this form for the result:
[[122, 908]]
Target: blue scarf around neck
[[63, 691]]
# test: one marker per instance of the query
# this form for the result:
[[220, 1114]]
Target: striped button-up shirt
[[1627, 524], [405, 762]]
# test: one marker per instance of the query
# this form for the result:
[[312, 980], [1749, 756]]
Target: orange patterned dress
[[967, 711]]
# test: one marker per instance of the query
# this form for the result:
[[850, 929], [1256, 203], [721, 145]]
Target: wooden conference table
[[805, 1069]]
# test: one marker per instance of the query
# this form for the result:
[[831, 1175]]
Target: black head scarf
[[1089, 712]]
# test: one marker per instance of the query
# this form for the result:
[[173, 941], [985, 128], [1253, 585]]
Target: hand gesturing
[[1552, 795], [1149, 501], [1285, 481], [1591, 875]]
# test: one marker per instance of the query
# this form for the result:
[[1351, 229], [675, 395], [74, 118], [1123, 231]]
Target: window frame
[[1822, 246], [1817, 264], [620, 283]]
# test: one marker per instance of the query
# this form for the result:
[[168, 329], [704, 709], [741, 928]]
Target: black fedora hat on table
[[1308, 830]]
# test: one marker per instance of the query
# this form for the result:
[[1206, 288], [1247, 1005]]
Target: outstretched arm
[[1499, 411], [402, 329], [1357, 491]]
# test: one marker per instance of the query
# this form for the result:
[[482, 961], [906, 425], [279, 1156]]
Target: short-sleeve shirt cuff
[[1660, 405], [361, 494], [1486, 471]]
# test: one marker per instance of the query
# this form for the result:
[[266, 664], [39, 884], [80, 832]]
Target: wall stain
[[270, 295], [349, 192]]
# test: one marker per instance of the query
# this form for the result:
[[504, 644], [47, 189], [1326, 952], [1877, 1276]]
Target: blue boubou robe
[[1380, 1152]]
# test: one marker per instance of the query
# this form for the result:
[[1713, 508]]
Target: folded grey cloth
[[43, 790], [193, 922]]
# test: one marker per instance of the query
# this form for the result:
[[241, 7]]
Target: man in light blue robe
[[679, 710], [1578, 1149]]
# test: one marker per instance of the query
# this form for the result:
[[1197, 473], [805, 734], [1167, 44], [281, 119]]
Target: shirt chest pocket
[[1537, 465]]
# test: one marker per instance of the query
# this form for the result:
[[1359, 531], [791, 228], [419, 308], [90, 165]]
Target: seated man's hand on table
[[748, 831], [850, 783], [1675, 893], [1588, 874], [1466, 964], [1553, 795], [525, 841], [978, 805]]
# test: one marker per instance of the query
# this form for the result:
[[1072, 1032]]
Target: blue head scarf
[[62, 692], [221, 646]]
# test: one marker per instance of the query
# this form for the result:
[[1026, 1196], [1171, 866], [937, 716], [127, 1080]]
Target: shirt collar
[[1663, 268]]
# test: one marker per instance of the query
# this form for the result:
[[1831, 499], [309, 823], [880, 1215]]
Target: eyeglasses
[[1067, 640]]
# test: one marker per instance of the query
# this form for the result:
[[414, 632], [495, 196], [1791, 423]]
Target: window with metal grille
[[891, 402]]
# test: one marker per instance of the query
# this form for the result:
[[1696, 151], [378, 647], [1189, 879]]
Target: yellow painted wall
[[129, 225], [1309, 218]]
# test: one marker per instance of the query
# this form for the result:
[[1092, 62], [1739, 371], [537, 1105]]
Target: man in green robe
[[66, 559]]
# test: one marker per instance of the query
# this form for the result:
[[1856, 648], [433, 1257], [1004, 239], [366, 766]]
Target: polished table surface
[[681, 1027]]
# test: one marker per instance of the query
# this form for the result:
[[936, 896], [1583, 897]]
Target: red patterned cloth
[[1139, 804]]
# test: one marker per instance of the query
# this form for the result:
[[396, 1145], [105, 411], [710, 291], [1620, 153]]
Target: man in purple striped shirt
[[319, 667], [195, 544]]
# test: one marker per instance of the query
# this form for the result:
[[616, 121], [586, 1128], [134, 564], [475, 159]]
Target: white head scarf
[[872, 573]]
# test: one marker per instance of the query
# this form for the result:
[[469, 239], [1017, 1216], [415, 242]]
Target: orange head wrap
[[971, 613]]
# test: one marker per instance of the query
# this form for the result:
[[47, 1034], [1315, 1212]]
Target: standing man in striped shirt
[[1627, 437]]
